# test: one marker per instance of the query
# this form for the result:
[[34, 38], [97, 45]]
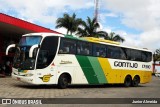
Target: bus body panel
[[68, 64], [83, 72]]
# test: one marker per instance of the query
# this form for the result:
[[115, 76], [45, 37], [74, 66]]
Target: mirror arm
[[10, 46], [32, 49]]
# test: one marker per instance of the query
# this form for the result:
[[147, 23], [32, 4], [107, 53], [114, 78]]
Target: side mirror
[[10, 46], [32, 49]]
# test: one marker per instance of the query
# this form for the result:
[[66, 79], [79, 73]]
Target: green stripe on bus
[[87, 69], [75, 38], [97, 69]]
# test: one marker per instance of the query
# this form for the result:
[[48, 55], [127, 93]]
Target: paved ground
[[10, 88]]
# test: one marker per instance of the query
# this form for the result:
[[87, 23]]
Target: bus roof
[[103, 41], [88, 39], [43, 34]]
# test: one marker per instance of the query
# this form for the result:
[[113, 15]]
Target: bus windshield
[[21, 59], [29, 40]]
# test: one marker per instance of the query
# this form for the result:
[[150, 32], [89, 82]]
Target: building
[[11, 29]]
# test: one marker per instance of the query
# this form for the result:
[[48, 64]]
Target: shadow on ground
[[28, 86]]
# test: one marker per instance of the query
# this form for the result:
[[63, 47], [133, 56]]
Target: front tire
[[63, 81], [128, 81]]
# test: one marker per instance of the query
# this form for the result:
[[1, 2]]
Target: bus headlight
[[29, 75]]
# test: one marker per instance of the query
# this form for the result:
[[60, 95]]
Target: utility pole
[[96, 9]]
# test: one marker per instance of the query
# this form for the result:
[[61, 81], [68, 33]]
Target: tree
[[156, 57], [89, 29], [71, 23], [115, 37]]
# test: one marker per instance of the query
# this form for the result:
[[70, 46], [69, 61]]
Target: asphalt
[[10, 88]]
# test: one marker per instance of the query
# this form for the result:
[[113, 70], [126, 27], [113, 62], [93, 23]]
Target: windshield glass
[[29, 40], [21, 59]]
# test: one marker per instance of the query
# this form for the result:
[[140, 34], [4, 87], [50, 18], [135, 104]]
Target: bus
[[48, 58]]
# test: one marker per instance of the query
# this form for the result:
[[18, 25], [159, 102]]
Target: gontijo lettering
[[125, 64]]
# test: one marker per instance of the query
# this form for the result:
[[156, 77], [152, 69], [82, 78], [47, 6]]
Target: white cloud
[[45, 11], [143, 15], [149, 40], [103, 16], [61, 30], [108, 15]]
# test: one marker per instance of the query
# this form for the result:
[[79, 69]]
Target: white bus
[[48, 58]]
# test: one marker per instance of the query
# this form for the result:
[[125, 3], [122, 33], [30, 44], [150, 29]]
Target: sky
[[137, 21]]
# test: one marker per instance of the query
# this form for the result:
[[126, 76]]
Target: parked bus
[[48, 58]]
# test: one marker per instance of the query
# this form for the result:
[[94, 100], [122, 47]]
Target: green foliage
[[85, 29], [156, 55], [89, 29], [71, 23], [115, 37]]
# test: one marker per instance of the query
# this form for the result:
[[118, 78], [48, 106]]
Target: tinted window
[[146, 56], [30, 40], [135, 55], [99, 50], [116, 52], [67, 46], [84, 48], [127, 53], [47, 52]]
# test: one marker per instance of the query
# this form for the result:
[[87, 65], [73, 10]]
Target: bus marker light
[[52, 64], [18, 79]]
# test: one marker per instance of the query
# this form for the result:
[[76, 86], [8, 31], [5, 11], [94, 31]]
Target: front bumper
[[23, 78]]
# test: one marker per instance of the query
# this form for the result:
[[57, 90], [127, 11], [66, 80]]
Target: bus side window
[[66, 50], [127, 52], [133, 56], [78, 50], [67, 46], [102, 52], [136, 55], [146, 56], [122, 54], [109, 53], [116, 53], [149, 56], [96, 50], [88, 48], [84, 48]]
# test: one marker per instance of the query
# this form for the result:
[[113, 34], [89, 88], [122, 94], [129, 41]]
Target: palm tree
[[156, 57], [89, 29], [115, 37], [71, 23]]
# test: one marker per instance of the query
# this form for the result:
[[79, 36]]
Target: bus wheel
[[128, 81], [63, 81], [136, 81]]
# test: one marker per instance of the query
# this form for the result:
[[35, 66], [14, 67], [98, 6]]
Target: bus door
[[45, 69]]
